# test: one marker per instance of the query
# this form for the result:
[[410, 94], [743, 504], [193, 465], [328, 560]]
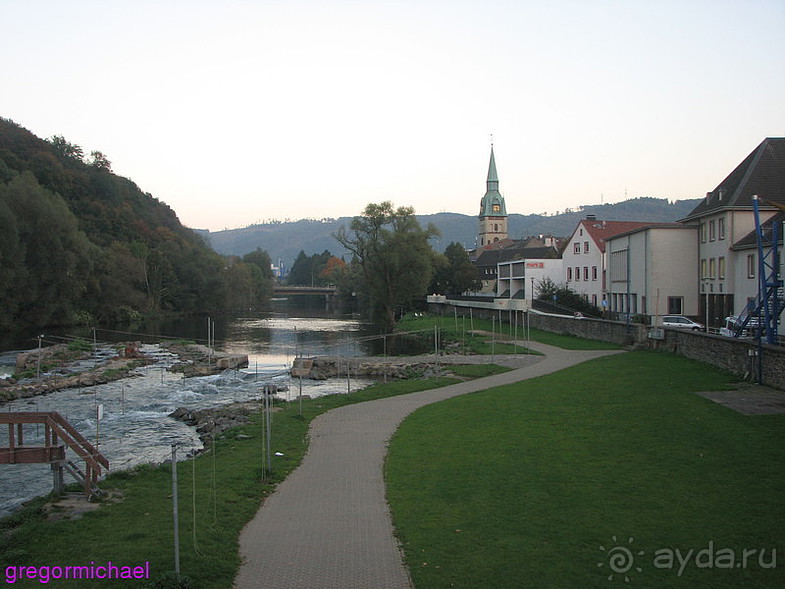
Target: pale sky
[[235, 112]]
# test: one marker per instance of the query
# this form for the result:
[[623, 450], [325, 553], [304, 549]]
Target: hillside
[[81, 244], [285, 240]]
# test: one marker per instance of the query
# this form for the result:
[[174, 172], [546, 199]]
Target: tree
[[261, 275], [65, 149], [564, 298], [334, 270], [460, 273], [300, 273], [394, 255], [46, 258], [100, 161], [308, 270]]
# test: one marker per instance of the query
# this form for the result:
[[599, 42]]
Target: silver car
[[681, 322]]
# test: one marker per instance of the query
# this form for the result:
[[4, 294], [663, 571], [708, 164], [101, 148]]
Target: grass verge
[[475, 335], [545, 483], [219, 491]]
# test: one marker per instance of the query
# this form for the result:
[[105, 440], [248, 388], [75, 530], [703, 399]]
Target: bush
[[566, 298]]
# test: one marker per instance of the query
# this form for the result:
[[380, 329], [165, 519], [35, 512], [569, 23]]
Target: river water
[[136, 427]]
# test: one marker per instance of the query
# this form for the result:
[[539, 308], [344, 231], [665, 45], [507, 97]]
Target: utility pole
[[38, 366], [174, 510]]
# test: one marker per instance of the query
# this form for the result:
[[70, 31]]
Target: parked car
[[732, 326], [681, 322]]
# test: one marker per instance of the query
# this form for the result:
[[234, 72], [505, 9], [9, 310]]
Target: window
[[712, 268], [750, 265], [577, 248], [594, 272], [585, 247], [586, 273], [569, 272], [712, 231], [721, 268], [721, 228], [704, 269], [675, 305], [703, 232], [496, 227], [577, 273]]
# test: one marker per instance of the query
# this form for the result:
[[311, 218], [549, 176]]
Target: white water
[[136, 427]]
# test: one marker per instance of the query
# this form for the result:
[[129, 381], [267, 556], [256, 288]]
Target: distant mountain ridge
[[283, 241]]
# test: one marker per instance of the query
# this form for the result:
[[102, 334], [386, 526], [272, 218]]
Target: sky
[[238, 112]]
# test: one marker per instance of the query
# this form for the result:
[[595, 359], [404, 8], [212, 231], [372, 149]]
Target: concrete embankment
[[324, 367]]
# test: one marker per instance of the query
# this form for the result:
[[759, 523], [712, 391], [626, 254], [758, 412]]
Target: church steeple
[[493, 211]]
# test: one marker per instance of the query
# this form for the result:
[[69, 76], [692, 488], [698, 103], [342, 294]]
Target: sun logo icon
[[620, 559]]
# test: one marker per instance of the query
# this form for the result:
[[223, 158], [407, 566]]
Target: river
[[136, 427]]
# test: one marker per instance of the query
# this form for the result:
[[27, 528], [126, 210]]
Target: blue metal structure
[[770, 302]]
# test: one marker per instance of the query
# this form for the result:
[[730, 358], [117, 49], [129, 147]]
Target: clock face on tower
[[496, 208]]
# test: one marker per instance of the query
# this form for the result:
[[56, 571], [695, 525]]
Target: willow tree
[[394, 255]]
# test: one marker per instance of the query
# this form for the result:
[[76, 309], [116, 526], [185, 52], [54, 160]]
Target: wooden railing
[[55, 427]]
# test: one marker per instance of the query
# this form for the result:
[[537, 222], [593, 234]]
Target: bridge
[[330, 290]]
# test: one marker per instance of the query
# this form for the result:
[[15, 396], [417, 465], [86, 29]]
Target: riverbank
[[223, 485]]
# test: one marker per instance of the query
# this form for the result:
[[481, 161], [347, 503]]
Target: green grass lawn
[[475, 335], [226, 494], [538, 484]]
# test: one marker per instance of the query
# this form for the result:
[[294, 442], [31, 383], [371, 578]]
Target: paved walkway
[[327, 525]]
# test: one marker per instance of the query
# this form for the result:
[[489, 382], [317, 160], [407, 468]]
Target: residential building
[[584, 260], [504, 251], [746, 264], [726, 272], [651, 270], [519, 278]]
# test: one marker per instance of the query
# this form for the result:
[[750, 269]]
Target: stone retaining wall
[[740, 357], [733, 355], [615, 332]]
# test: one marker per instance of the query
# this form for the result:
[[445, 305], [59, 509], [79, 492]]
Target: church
[[493, 212], [493, 241]]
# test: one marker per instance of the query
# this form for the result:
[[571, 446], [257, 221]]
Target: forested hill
[[285, 240], [79, 243]]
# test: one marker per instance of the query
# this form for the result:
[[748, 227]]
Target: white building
[[517, 279], [746, 270], [727, 263], [651, 271], [584, 260]]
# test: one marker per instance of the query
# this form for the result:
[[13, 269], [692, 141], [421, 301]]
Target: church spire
[[492, 204], [493, 178], [493, 212]]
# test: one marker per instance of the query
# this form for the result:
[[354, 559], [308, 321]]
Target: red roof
[[601, 231]]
